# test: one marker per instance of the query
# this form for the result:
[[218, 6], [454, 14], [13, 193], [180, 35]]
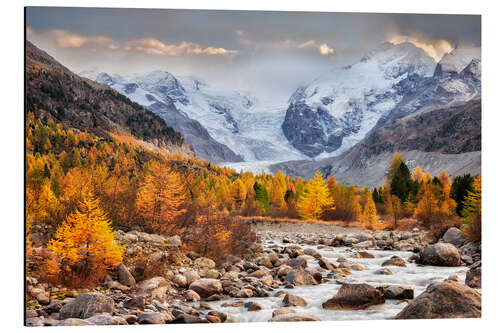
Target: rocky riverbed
[[298, 273]]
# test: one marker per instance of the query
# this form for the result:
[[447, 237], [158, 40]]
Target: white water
[[417, 277]]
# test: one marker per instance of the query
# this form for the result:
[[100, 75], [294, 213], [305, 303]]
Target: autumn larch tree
[[238, 193], [84, 248], [314, 199], [160, 197], [369, 216]]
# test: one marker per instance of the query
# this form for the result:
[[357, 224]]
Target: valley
[[155, 199], [340, 123]]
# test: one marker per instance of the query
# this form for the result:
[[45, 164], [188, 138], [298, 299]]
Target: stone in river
[[292, 300], [355, 297], [448, 299], [394, 261]]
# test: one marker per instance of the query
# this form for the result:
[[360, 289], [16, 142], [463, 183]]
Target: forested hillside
[[54, 92]]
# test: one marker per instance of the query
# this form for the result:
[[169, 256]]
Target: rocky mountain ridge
[[54, 92], [442, 139], [342, 107]]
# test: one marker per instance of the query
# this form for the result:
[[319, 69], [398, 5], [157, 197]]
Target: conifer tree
[[160, 198], [261, 196], [369, 217], [460, 186], [401, 182], [314, 199], [397, 159], [472, 212], [84, 246]]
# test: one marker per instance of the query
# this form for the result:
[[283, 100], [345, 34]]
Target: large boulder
[[454, 236], [440, 254], [396, 292], [473, 276], [125, 277], [300, 277], [87, 305], [206, 287], [448, 299], [355, 297]]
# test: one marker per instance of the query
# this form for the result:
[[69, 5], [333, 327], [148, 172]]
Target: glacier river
[[413, 275]]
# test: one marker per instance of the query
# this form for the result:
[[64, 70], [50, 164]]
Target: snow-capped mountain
[[323, 119], [339, 108], [456, 79], [233, 119]]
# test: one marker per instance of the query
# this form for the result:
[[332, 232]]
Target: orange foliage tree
[[434, 205], [84, 248], [160, 197]]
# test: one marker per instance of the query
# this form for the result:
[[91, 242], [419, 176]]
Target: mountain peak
[[456, 60]]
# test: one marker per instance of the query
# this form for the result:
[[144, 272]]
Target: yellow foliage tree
[[278, 190], [472, 212], [369, 216], [396, 161], [238, 192], [419, 175], [84, 248], [160, 197], [314, 199]]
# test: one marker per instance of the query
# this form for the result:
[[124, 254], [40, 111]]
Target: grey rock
[[473, 276], [454, 236], [125, 277], [151, 318], [206, 287], [355, 297], [300, 277], [394, 261], [292, 300], [448, 299], [440, 254], [396, 292], [87, 305], [74, 322]]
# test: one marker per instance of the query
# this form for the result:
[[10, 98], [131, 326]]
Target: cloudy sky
[[266, 53]]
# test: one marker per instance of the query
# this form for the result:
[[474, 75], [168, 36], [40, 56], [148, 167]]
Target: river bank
[[298, 272]]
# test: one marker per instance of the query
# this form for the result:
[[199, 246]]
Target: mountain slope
[[196, 135], [442, 139], [342, 107], [54, 92], [210, 119], [456, 79], [338, 109]]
